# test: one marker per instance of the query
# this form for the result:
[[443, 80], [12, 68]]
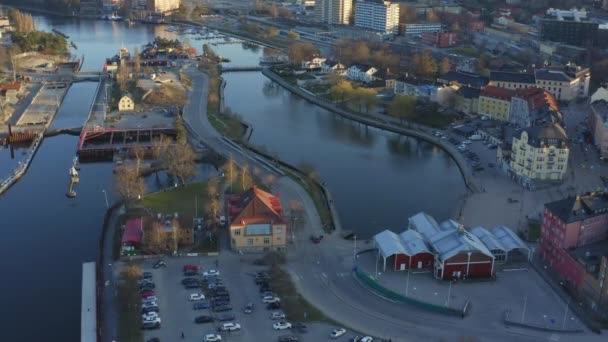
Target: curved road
[[322, 274]]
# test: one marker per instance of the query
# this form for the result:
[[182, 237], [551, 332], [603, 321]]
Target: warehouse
[[403, 251]]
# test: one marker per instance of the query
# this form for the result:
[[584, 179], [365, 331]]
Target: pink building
[[568, 224]]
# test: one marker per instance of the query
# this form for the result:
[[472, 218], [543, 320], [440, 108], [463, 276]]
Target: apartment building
[[570, 27], [495, 102], [333, 12], [163, 6], [540, 153], [419, 29], [377, 15], [531, 106], [512, 80], [565, 83], [573, 244], [598, 125]]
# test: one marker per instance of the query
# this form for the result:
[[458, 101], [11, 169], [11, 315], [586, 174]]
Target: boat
[[60, 33], [171, 29]]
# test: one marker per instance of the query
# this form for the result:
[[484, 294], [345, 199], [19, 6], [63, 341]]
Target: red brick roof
[[10, 86], [537, 98], [256, 206]]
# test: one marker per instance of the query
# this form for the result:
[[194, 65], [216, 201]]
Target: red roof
[[255, 206], [538, 98], [10, 86], [497, 93], [133, 232]]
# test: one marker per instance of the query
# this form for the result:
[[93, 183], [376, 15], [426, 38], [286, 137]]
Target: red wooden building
[[404, 251]]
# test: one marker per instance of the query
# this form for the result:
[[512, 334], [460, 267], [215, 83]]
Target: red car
[[191, 267], [146, 294]]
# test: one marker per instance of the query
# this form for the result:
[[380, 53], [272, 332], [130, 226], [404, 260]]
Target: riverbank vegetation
[[25, 38], [309, 181]]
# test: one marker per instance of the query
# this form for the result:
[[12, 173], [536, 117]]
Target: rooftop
[[468, 92], [590, 255], [497, 93], [551, 75], [464, 78], [256, 206], [549, 133], [512, 77], [574, 209]]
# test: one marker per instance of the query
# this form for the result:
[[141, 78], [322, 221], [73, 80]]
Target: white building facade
[[333, 12], [377, 15]]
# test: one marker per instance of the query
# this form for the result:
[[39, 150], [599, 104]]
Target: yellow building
[[540, 153], [495, 102], [256, 222]]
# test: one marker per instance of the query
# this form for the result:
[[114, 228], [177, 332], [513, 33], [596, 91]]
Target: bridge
[[240, 68], [88, 73]]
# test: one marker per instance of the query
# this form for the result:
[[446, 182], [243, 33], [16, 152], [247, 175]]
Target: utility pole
[[449, 294], [230, 162], [566, 312], [523, 313], [355, 248], [196, 206], [407, 280]]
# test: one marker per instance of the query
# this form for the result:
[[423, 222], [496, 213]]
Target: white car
[[367, 339], [281, 325], [151, 299], [150, 315], [211, 273], [466, 142], [277, 315], [269, 299], [196, 297], [151, 320], [212, 338], [337, 333], [149, 305], [230, 327]]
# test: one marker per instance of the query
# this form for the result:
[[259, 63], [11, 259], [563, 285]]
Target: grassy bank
[[129, 305], [295, 307], [317, 197]]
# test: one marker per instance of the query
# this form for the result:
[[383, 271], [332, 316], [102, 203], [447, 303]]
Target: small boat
[[171, 29]]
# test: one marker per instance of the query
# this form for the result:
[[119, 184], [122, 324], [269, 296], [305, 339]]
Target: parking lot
[[178, 316]]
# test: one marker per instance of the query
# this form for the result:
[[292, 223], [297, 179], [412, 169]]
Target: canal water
[[378, 179]]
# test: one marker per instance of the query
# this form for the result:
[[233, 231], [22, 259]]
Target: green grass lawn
[[228, 125], [179, 200], [466, 51]]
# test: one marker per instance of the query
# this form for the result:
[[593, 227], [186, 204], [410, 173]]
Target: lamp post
[[449, 294], [105, 195], [523, 313], [354, 248], [566, 313]]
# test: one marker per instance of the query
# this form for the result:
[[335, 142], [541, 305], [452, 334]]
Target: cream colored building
[[163, 6], [256, 222], [495, 103], [540, 153], [566, 84], [333, 12], [126, 104]]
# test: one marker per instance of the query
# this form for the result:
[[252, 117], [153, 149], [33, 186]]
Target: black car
[[299, 327], [288, 338], [222, 308], [154, 339], [147, 326], [225, 317], [189, 280], [146, 275], [248, 308], [273, 306], [218, 303], [190, 273], [147, 286], [203, 319], [265, 288], [220, 294]]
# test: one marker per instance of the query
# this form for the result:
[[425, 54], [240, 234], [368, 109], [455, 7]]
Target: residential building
[[532, 105], [565, 83], [332, 66], [460, 78], [512, 80], [126, 104], [361, 72], [571, 230], [418, 29], [540, 153], [377, 15], [467, 100], [598, 125], [571, 27], [256, 221], [495, 102], [314, 64], [333, 12], [412, 86], [163, 6], [440, 39]]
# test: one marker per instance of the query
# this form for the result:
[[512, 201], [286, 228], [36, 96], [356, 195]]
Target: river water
[[378, 179]]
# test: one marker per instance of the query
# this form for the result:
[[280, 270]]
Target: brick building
[[440, 39]]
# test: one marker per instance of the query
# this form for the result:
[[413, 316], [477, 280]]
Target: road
[[322, 275]]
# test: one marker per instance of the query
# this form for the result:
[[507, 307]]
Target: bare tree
[[137, 60], [231, 170], [154, 237], [180, 161], [246, 178], [139, 152], [123, 77], [128, 183], [132, 272]]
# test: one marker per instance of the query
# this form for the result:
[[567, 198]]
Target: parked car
[[281, 325], [153, 339], [277, 315], [337, 333], [300, 327], [212, 338], [288, 338], [149, 326], [225, 317], [159, 263], [211, 273], [196, 297], [367, 339], [147, 286], [229, 327], [190, 273], [146, 275], [203, 319], [151, 320], [149, 315], [145, 281], [191, 267], [192, 286], [201, 305], [150, 299], [273, 306], [248, 308], [150, 309], [222, 308], [268, 300], [149, 305], [316, 238], [189, 280]]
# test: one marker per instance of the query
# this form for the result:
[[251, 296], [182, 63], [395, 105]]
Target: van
[[475, 137]]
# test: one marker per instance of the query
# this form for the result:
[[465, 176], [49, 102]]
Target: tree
[[403, 107], [299, 52], [137, 60], [456, 27], [433, 17], [407, 14], [122, 77], [129, 184], [445, 66], [180, 129], [360, 52], [293, 35], [368, 98], [231, 171], [132, 272], [139, 152], [342, 91], [425, 64], [22, 22], [154, 237], [213, 197], [180, 161], [246, 179]]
